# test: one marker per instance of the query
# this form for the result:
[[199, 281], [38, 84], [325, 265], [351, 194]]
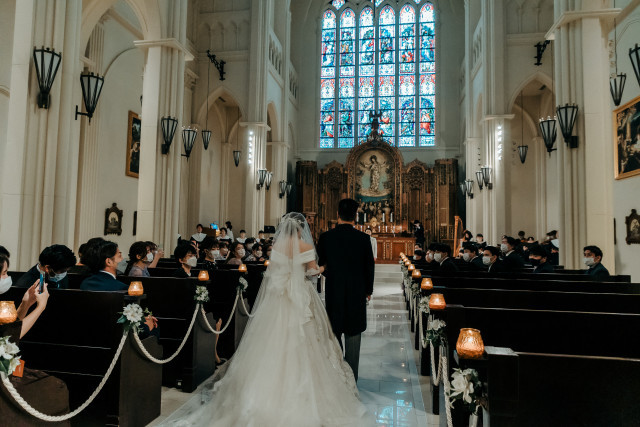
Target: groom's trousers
[[352, 351]]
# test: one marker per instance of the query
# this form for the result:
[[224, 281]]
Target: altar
[[390, 246]]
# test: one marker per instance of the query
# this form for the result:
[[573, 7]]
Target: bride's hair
[[293, 227]]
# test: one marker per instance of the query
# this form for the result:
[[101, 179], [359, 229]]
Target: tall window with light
[[378, 58]]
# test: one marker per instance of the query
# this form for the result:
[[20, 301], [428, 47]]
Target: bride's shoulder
[[304, 246]]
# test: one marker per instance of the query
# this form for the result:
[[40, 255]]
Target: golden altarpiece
[[392, 195]]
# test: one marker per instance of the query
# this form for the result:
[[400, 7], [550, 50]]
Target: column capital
[[570, 16], [497, 117], [255, 125]]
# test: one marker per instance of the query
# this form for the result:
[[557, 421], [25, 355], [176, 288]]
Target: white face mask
[[149, 257], [589, 261], [249, 246], [192, 262], [466, 256], [5, 284], [486, 260], [437, 257], [58, 277], [259, 254], [215, 253], [241, 253], [430, 256], [504, 248]]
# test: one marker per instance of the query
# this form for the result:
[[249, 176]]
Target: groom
[[347, 257]]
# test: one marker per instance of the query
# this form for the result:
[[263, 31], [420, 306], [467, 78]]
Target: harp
[[458, 231]]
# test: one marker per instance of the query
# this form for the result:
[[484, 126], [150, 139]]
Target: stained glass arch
[[378, 57]]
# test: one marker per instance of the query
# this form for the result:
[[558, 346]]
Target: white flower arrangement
[[133, 316], [202, 294], [436, 332], [466, 387], [423, 304], [9, 360], [243, 284]]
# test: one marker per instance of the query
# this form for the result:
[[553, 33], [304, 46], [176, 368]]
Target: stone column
[[255, 133], [279, 152]]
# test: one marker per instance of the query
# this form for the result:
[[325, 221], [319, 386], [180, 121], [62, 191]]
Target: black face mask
[[534, 261]]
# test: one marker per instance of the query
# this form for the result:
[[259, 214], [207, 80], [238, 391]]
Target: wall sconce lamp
[[268, 180], [567, 117], [469, 187], [283, 188], [91, 88], [486, 177], [188, 140], [289, 185], [522, 152], [47, 62], [206, 137], [634, 56], [169, 125], [463, 188], [549, 132], [479, 179], [262, 176], [236, 157], [218, 64]]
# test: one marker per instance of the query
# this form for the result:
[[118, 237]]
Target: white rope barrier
[[447, 387], [57, 418], [246, 312], [206, 321], [173, 356], [436, 373]]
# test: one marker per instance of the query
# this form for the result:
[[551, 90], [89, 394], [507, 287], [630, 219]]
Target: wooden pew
[[75, 339], [571, 276]]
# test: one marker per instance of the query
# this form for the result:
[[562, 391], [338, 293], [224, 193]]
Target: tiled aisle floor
[[389, 383]]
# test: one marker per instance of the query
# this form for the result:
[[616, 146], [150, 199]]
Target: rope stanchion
[[436, 373], [447, 388], [57, 418], [246, 312], [211, 329], [173, 356]]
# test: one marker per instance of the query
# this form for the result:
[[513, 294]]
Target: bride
[[288, 369]]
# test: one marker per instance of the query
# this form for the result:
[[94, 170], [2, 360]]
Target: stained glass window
[[378, 59]]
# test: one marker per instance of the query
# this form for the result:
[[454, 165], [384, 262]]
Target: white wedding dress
[[288, 369]]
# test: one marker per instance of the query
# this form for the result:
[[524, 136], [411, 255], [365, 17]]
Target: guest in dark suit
[[54, 262], [418, 233], [512, 260], [491, 258], [470, 255], [347, 257], [103, 260], [442, 256], [187, 258], [539, 258], [592, 259]]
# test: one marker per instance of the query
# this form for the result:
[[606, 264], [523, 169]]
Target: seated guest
[[418, 256], [467, 236], [186, 257], [81, 267], [539, 258], [243, 236], [491, 259], [103, 259], [416, 247], [196, 246], [592, 259], [554, 247], [512, 260], [442, 256], [199, 235], [261, 238], [480, 241], [256, 254], [210, 249], [248, 244], [224, 251], [531, 240], [374, 244], [429, 263], [236, 253], [140, 257], [30, 297], [229, 230], [521, 235], [54, 262], [223, 235], [4, 251], [267, 250], [470, 255], [460, 253]]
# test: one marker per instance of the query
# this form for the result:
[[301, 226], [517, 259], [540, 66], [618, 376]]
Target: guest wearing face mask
[[429, 263], [103, 259], [442, 256], [54, 262], [491, 260], [199, 236], [140, 257], [187, 258], [539, 258], [512, 260], [261, 238], [592, 259], [209, 249], [248, 244], [256, 254], [267, 251], [236, 253], [470, 255], [224, 251], [418, 256]]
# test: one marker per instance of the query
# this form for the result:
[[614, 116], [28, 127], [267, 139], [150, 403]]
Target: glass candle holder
[[407, 263], [416, 274], [470, 345], [203, 276], [426, 284], [411, 267], [242, 268], [136, 289], [401, 254], [8, 313], [266, 263], [436, 302]]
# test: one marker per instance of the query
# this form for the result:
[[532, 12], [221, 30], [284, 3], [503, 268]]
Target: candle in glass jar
[[242, 268], [426, 284], [135, 289], [436, 302], [416, 274], [266, 263], [8, 313], [203, 276], [470, 345]]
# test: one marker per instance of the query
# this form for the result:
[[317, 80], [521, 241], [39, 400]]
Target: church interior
[[456, 125]]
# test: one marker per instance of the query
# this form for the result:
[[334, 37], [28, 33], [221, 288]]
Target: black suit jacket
[[544, 268], [30, 277], [347, 257], [513, 262], [102, 281], [477, 264], [599, 271], [498, 267], [448, 265]]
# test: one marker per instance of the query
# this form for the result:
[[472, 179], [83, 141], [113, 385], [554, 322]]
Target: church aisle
[[389, 383]]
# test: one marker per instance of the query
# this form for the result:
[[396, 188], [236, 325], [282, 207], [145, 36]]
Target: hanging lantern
[[486, 177], [470, 345], [567, 118], [479, 179], [188, 140], [236, 157], [469, 187], [268, 180], [616, 85], [91, 90], [463, 188], [634, 55], [46, 62], [548, 129], [169, 125], [206, 137], [262, 176], [283, 188], [522, 152], [289, 188]]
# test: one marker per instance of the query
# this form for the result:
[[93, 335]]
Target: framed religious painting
[[113, 220], [133, 145], [626, 120], [633, 228]]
